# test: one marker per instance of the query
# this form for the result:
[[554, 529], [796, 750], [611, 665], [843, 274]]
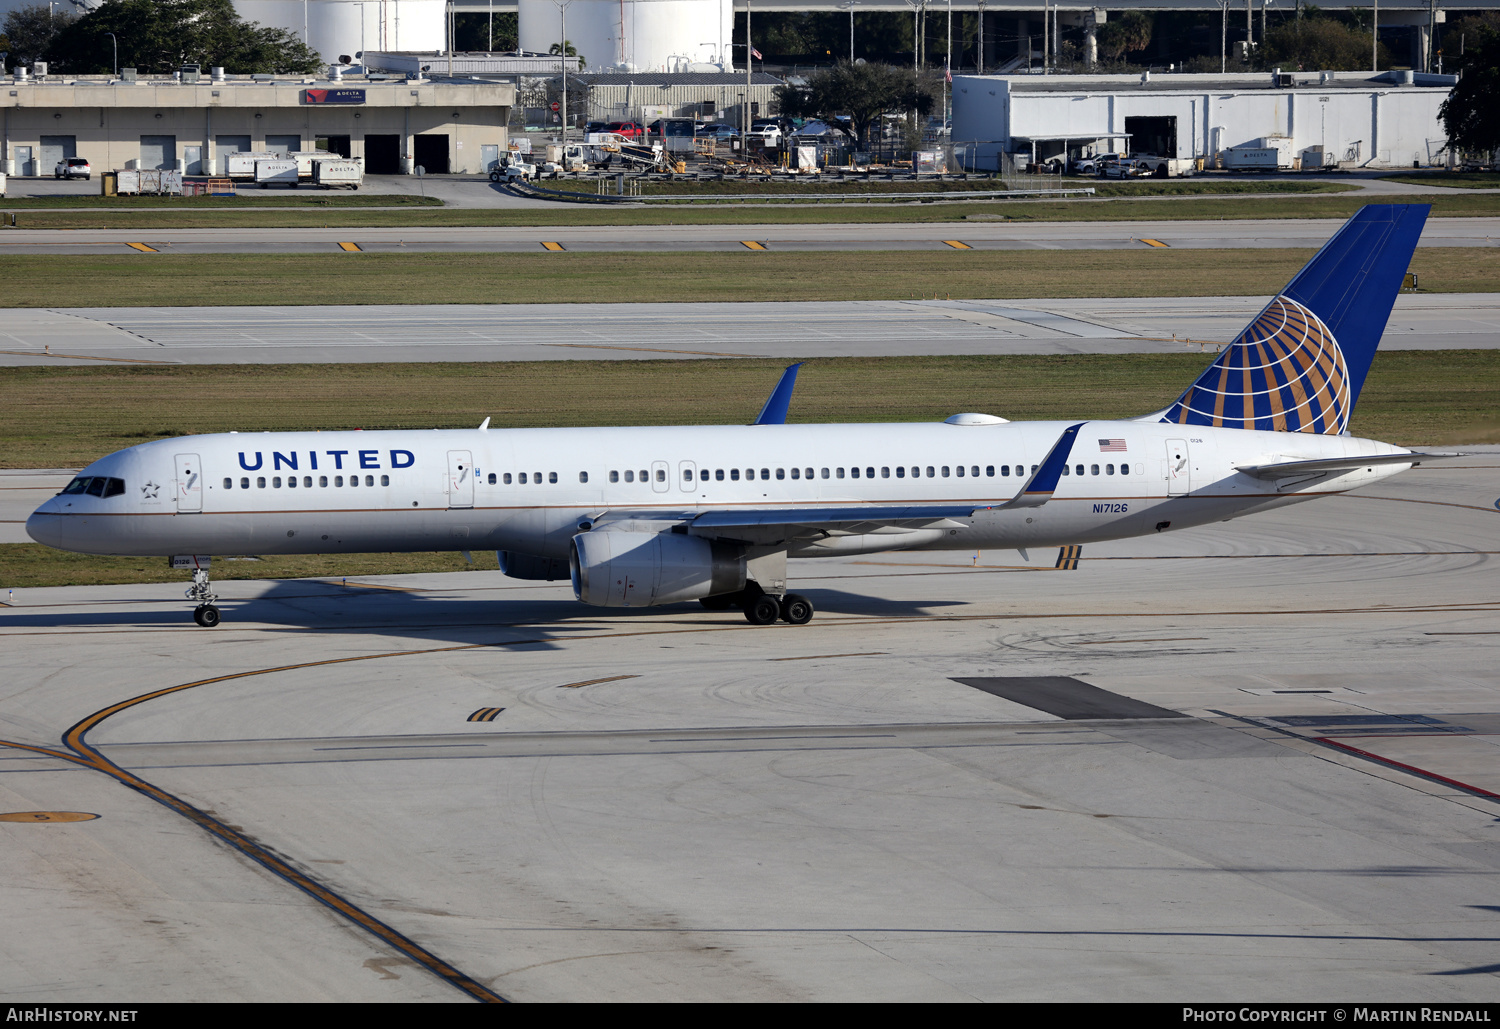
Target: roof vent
[[970, 418]]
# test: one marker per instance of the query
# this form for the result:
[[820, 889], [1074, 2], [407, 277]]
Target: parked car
[[628, 129], [1094, 165], [720, 131], [73, 168]]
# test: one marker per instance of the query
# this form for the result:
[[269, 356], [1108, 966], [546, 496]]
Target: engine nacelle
[[530, 566], [641, 569]]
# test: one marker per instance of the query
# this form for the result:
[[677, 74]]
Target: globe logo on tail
[[1284, 373]]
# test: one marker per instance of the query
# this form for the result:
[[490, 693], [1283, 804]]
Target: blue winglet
[[1043, 482], [774, 413]]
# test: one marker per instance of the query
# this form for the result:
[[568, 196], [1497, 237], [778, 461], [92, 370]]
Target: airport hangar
[[191, 121], [1389, 120]]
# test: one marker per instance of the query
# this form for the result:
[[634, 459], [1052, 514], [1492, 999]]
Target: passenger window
[[687, 475], [385, 480], [945, 471], [1124, 469], [840, 473], [960, 471], [781, 473], [1093, 469], [974, 471], [734, 475], [989, 470], [825, 473], [1109, 469], [276, 482], [522, 477], [1018, 469], [900, 471], [644, 477], [245, 482], [854, 473], [307, 481], [809, 473], [583, 476], [1066, 471], [551, 476], [614, 476], [322, 480], [506, 478], [885, 473], [719, 474], [629, 475], [1080, 469], [1005, 471], [260, 482], [229, 484], [291, 482], [703, 475], [354, 480], [796, 473], [492, 479], [869, 473], [765, 473], [369, 480]]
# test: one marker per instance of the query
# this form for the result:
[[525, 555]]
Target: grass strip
[[939, 209], [218, 205], [1458, 180], [169, 280], [67, 417]]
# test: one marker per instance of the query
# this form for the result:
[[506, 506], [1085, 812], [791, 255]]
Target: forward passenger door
[[460, 479]]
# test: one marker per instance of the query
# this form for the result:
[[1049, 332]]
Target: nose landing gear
[[206, 614]]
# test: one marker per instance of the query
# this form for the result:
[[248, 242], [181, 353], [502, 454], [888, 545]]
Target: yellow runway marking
[[595, 682], [956, 245], [485, 714], [42, 817], [553, 246], [352, 248], [1153, 242], [1067, 557], [750, 244], [143, 248]]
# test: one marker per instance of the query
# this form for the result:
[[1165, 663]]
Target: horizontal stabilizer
[[1323, 465]]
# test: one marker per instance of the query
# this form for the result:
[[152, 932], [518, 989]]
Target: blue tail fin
[[1300, 365]]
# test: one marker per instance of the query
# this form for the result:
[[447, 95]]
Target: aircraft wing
[[1325, 465]]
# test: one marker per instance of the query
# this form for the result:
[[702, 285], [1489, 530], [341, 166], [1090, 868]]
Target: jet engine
[[641, 569]]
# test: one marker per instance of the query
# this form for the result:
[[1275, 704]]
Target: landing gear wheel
[[796, 609], [763, 610], [206, 616]]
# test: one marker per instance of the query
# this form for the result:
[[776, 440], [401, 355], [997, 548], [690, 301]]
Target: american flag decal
[[1111, 446]]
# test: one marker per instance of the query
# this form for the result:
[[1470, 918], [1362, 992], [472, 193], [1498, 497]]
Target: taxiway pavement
[[540, 332], [969, 235], [886, 804]]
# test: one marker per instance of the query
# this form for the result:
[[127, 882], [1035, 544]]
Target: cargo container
[[305, 160], [1262, 159], [1315, 158], [241, 165], [279, 170], [338, 173], [129, 182]]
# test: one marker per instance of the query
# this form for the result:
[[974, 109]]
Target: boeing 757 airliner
[[646, 516]]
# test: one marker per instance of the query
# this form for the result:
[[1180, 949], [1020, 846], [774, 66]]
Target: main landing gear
[[763, 608], [206, 614]]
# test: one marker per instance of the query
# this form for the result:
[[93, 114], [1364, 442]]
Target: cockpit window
[[95, 486]]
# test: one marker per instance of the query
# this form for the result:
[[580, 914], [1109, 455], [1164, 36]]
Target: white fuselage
[[530, 490]]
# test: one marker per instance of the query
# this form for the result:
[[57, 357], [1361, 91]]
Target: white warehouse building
[[1378, 121]]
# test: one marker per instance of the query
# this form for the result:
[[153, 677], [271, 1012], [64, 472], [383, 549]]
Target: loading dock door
[[226, 145], [1153, 135], [430, 150], [159, 152], [55, 150], [383, 155]]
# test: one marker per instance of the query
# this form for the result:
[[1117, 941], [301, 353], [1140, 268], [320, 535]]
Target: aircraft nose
[[45, 525]]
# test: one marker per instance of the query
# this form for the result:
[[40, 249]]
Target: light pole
[[562, 57], [116, 43], [850, 5]]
